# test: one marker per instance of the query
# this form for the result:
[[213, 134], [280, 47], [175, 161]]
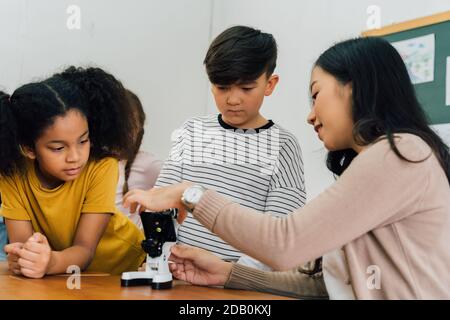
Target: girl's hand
[[198, 266], [158, 199], [12, 250], [35, 256]]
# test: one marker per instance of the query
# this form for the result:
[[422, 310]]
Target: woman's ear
[[27, 152]]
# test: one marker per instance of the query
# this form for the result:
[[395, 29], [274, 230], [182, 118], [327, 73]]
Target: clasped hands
[[31, 258]]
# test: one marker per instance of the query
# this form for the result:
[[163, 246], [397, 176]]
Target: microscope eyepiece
[[158, 229]]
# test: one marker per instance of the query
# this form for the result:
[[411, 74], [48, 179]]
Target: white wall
[[303, 29], [156, 47]]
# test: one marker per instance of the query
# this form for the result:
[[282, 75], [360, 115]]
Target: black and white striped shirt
[[260, 169]]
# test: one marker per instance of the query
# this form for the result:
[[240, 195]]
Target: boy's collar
[[225, 125]]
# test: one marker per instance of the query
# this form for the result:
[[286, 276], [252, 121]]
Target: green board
[[432, 94]]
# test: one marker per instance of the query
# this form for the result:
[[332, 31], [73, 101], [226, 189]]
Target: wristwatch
[[191, 196]]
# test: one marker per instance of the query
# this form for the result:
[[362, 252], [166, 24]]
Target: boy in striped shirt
[[238, 152]]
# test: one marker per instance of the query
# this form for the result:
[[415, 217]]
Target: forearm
[[90, 229], [18, 230], [332, 219], [288, 283], [76, 255]]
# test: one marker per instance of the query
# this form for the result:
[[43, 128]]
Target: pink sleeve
[[144, 171], [376, 189]]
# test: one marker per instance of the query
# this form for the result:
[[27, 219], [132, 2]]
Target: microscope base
[[142, 278], [135, 282], [162, 285]]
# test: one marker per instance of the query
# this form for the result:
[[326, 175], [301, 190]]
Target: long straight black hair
[[383, 98]]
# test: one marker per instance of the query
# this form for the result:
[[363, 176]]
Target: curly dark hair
[[108, 104], [33, 107], [27, 112]]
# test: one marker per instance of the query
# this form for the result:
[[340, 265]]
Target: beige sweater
[[293, 283], [392, 217]]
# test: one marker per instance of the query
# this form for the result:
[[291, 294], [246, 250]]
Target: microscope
[[160, 236]]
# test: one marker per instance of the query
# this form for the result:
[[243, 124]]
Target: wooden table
[[106, 287]]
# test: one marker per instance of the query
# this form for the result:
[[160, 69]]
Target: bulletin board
[[415, 40]]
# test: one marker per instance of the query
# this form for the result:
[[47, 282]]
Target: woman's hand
[[198, 266], [157, 199], [34, 256]]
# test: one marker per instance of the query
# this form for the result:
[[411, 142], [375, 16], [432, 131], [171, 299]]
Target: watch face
[[194, 194]]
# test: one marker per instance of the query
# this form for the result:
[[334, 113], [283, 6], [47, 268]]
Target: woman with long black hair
[[383, 228]]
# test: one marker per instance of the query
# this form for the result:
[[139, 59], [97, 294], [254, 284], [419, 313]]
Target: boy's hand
[[12, 250], [35, 256], [158, 199]]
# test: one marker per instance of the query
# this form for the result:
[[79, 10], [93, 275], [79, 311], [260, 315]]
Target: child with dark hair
[[58, 175], [140, 169], [128, 113], [108, 101], [238, 153]]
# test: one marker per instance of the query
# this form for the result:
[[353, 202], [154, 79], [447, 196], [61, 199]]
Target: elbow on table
[[89, 257]]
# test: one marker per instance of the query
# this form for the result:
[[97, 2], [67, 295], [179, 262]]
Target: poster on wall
[[443, 131], [418, 55]]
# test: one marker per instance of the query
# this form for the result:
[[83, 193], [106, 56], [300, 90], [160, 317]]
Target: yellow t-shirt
[[56, 213]]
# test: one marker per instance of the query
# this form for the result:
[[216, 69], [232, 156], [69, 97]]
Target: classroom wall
[[156, 47]]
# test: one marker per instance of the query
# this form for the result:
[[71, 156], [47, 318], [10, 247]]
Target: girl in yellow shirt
[[58, 175]]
